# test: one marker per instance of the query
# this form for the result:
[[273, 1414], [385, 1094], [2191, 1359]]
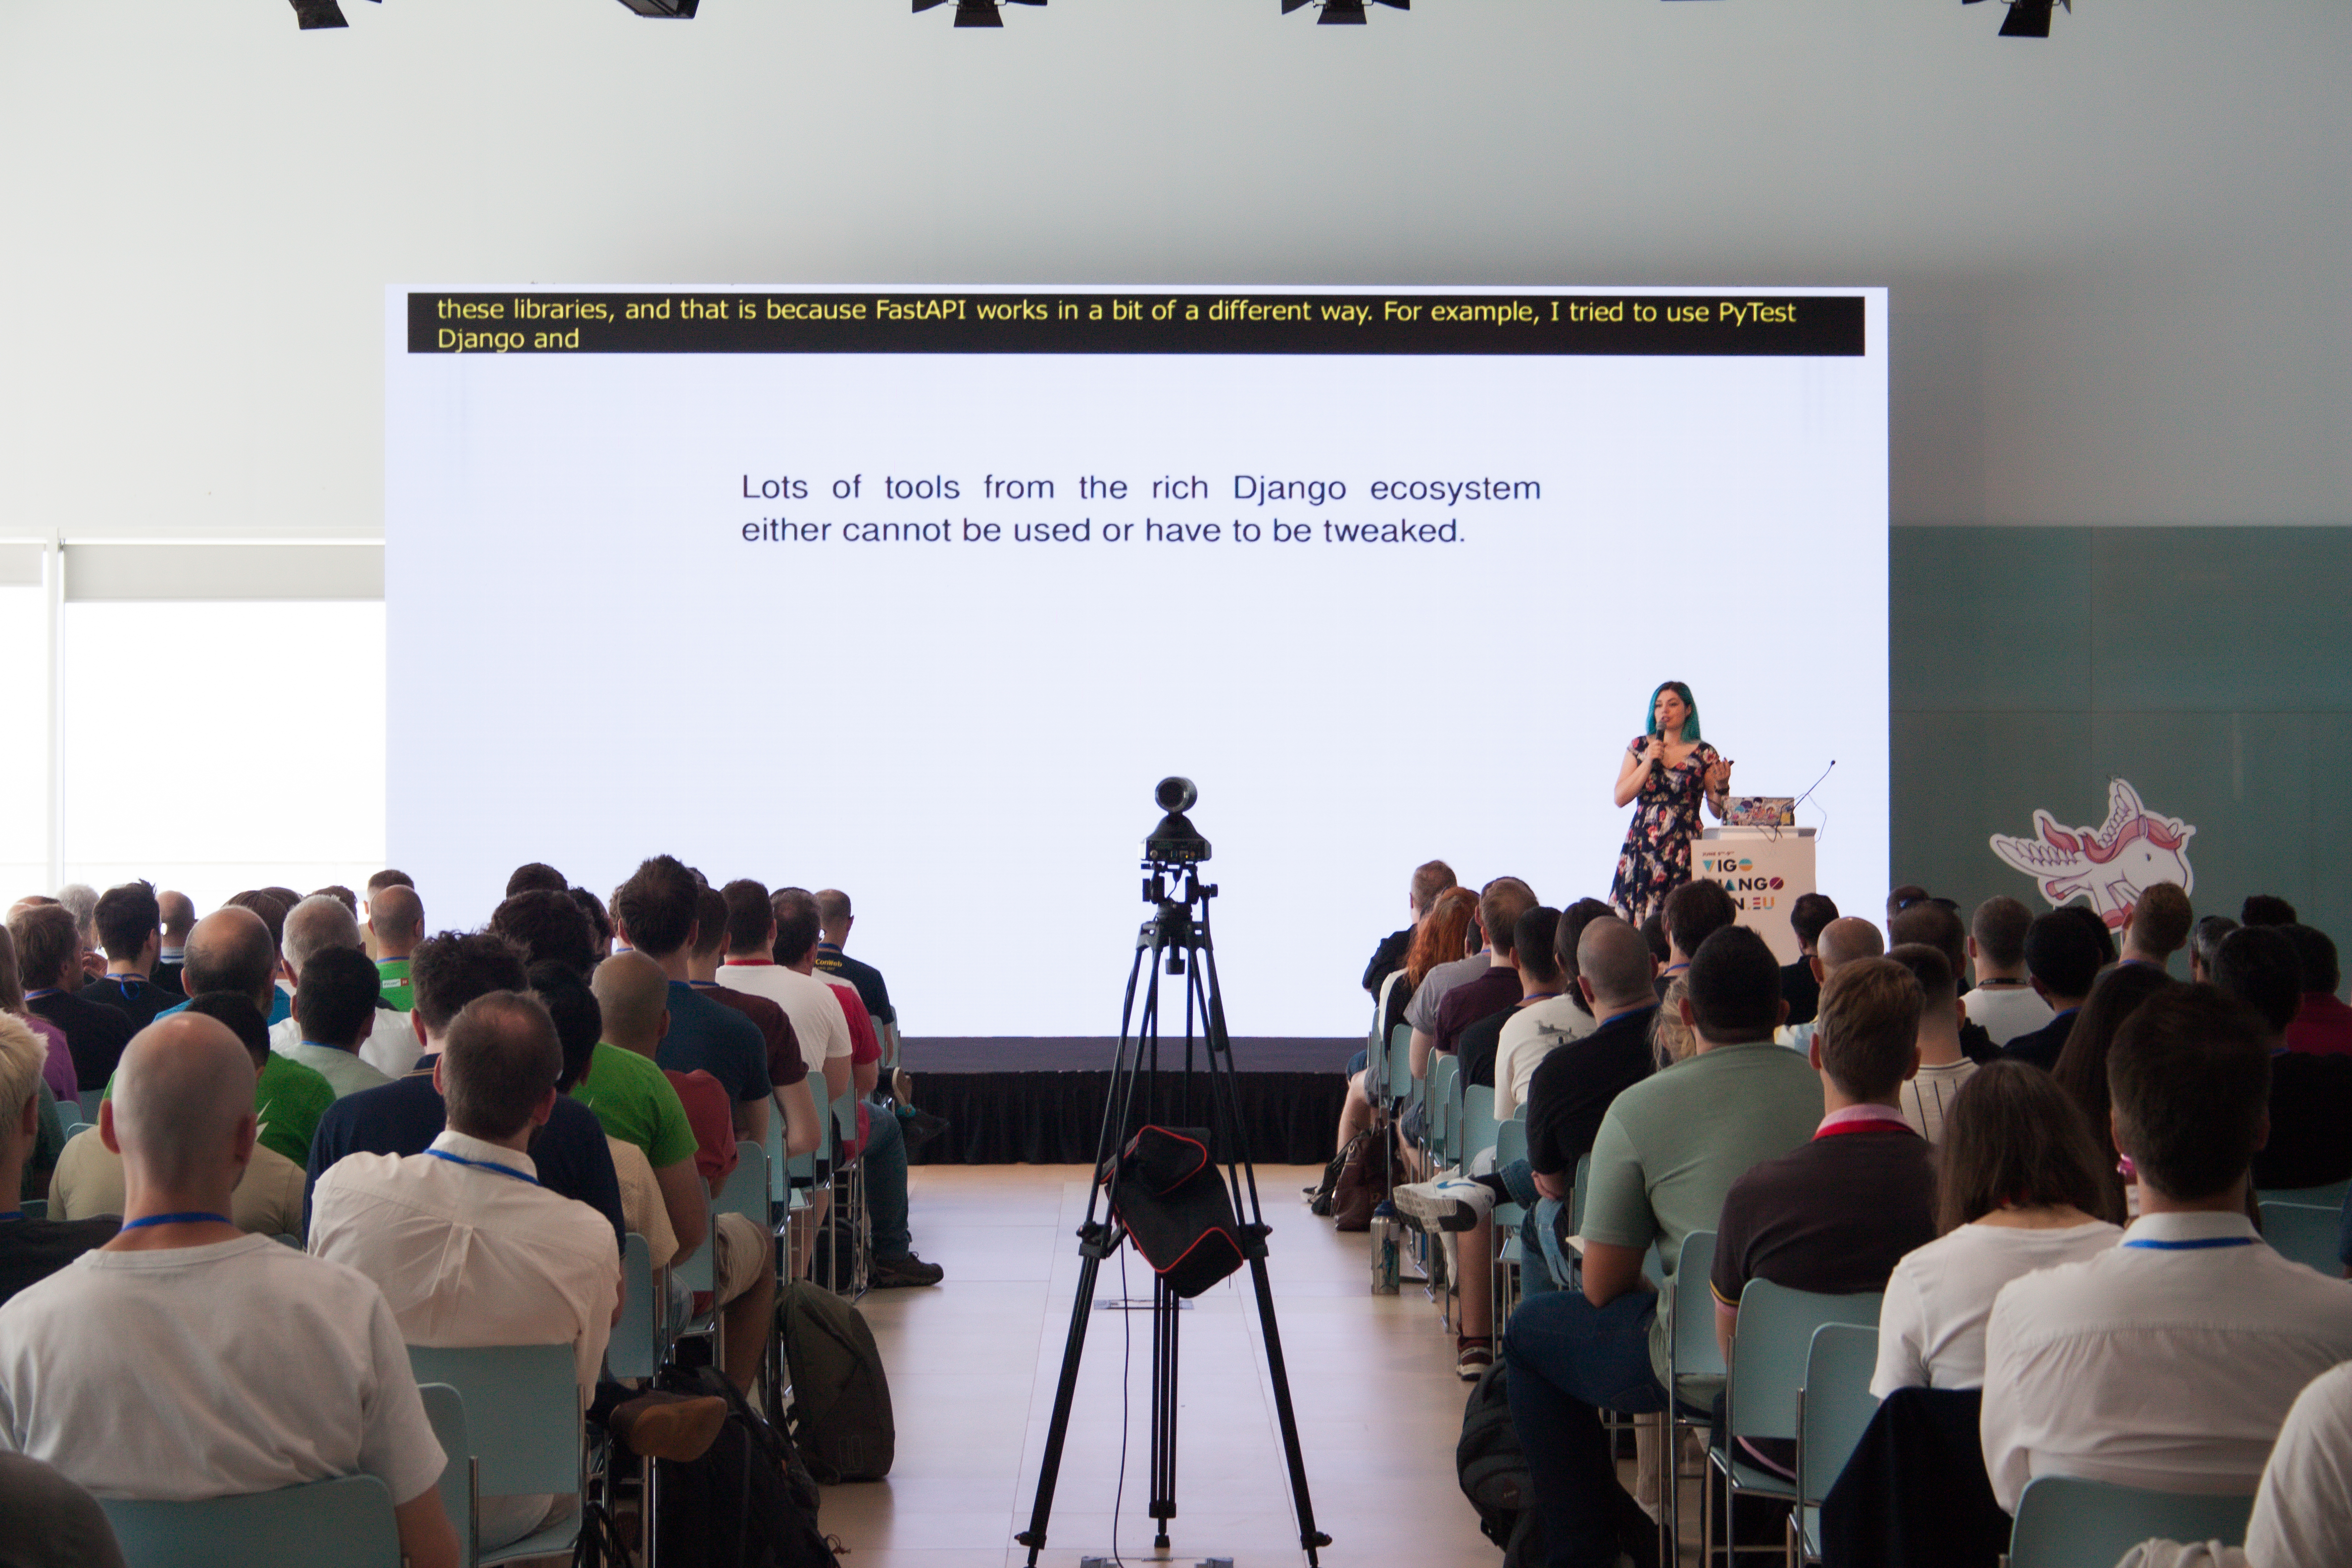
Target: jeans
[[886, 1182], [1568, 1359], [1534, 1279]]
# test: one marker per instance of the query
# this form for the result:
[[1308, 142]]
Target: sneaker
[[890, 1273], [1472, 1360], [918, 1127], [1450, 1202]]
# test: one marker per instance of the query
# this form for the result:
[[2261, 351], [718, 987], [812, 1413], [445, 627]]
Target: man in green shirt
[[288, 1098], [634, 1099], [395, 925], [1668, 1150]]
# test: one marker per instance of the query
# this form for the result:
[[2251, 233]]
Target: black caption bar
[[1093, 323]]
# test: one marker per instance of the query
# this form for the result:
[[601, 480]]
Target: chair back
[[694, 1271], [1478, 1120], [2330, 1197], [746, 1192], [1399, 1066], [2062, 1521], [634, 1350], [343, 1523], [444, 1407], [1696, 1359], [1576, 1194], [844, 1123], [1767, 1360], [2305, 1234], [69, 1114], [1835, 1405], [523, 1413], [34, 1208], [1510, 1142], [1443, 1073]]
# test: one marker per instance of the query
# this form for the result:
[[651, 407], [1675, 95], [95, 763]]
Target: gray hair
[[81, 899], [318, 922]]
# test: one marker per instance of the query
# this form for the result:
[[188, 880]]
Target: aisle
[[972, 1366]]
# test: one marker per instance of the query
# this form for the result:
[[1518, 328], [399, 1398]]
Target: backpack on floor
[[747, 1503], [1326, 1189], [840, 1418], [1493, 1470]]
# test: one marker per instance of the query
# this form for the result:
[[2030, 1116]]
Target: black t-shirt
[[1833, 1215], [2310, 1123], [95, 1035], [1801, 991], [1478, 1043], [1571, 1088], [1488, 991], [138, 1000], [865, 976], [33, 1250], [1387, 958], [404, 1116]]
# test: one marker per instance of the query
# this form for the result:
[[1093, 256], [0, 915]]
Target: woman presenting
[[1668, 769]]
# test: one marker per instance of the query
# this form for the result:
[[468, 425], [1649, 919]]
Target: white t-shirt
[[2300, 1517], [389, 1045], [2005, 1012], [202, 1372], [1530, 1034], [818, 1022], [1931, 1326], [1928, 1095]]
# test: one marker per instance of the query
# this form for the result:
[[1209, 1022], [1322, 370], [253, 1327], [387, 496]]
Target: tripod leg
[[1165, 1319], [1033, 1538], [1308, 1536]]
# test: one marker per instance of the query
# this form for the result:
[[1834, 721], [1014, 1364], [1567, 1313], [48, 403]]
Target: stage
[[1040, 1101]]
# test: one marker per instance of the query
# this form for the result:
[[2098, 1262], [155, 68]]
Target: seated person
[[2311, 1092], [89, 1180], [1692, 914], [49, 962], [1842, 940], [253, 1366], [1836, 1214], [1944, 1067], [2020, 1185], [2169, 1361], [30, 1249], [1533, 1033], [465, 1244], [1497, 987], [130, 928], [1667, 1151], [334, 1012], [1437, 942], [319, 924], [2159, 926], [1936, 923], [1428, 879], [2062, 959], [1479, 1045], [2003, 1003], [2322, 1024], [2205, 945], [1799, 988]]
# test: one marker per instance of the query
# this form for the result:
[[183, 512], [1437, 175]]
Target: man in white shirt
[[1535, 1031], [2169, 1361], [752, 966], [465, 1244], [184, 1359], [387, 1044], [2004, 1002]]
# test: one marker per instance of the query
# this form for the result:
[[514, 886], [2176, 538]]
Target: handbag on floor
[[841, 1419], [1363, 1185]]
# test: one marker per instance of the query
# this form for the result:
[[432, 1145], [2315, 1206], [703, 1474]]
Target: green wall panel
[[2221, 619], [1990, 618]]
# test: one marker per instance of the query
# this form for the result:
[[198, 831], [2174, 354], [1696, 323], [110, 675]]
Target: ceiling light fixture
[[677, 10], [976, 13], [1342, 13], [2028, 18], [310, 14]]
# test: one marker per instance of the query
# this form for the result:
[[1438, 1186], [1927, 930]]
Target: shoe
[[668, 1426], [1450, 1202], [891, 1273], [918, 1127], [1473, 1357]]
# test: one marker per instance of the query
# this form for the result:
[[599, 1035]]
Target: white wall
[[2118, 259]]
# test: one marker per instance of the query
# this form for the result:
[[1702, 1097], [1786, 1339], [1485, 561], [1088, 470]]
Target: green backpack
[[840, 1418]]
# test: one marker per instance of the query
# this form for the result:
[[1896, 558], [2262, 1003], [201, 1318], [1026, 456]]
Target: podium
[[1766, 871]]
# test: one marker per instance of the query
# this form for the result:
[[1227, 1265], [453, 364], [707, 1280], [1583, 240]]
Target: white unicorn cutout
[[2134, 851]]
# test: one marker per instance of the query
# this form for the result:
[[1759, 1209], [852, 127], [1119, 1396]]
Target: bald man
[[396, 924], [319, 922], [293, 1372], [232, 949], [1841, 942]]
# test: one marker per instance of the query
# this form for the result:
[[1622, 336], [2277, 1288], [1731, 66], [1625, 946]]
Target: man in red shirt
[[2323, 1024]]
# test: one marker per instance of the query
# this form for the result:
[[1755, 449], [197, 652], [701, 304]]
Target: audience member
[[1902, 898], [387, 1045], [467, 1246], [80, 901], [2265, 910], [1464, 962], [657, 909], [549, 927], [780, 1044], [230, 950], [1653, 932], [48, 960], [2062, 958], [2204, 942], [395, 925], [1480, 1044], [2169, 1361], [2020, 1185], [1694, 911], [52, 1524], [834, 920], [1668, 1148], [130, 929], [1437, 940], [1944, 1067], [1534, 1032], [535, 876], [2002, 1002], [2081, 1066], [89, 1181], [633, 1100], [2159, 926], [2102, 934], [1496, 988], [1936, 922], [30, 1249], [1835, 1214], [266, 906], [178, 912], [56, 1064], [1840, 942], [406, 1116], [1429, 878], [2310, 1096], [253, 1366], [2322, 1024], [598, 918], [334, 1012], [341, 895], [1798, 989]]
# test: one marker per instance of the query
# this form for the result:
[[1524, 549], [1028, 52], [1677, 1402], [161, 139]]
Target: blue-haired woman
[[1669, 770]]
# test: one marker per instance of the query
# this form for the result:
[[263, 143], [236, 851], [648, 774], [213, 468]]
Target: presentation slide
[[917, 593]]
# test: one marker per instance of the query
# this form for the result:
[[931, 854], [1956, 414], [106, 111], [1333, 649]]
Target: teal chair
[[848, 1197], [75, 1128], [1768, 1367], [522, 1416], [746, 1194], [1400, 1062], [635, 1349], [1693, 1369], [2304, 1233], [1510, 1143], [2062, 1523], [1478, 1122], [69, 1114], [1833, 1409], [1444, 1075], [2330, 1197], [341, 1524], [444, 1407], [34, 1208]]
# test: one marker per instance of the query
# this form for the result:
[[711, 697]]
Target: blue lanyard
[[482, 1165], [191, 1217], [44, 991], [2205, 1245], [12, 1214]]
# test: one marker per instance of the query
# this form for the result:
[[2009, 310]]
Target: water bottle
[[1388, 1241]]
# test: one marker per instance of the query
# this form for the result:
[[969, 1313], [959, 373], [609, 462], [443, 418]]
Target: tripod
[[1176, 939]]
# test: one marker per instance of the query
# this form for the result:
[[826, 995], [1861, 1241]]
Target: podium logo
[[2114, 863], [1724, 865]]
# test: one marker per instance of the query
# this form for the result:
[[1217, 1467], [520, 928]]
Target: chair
[[1576, 1194], [444, 1407], [69, 1114], [1444, 1075], [1768, 1367], [34, 1208], [522, 1415], [1477, 1123], [848, 1200], [1510, 1145], [341, 1524], [635, 1349], [2330, 1197], [2062, 1521], [1694, 1370], [2307, 1234], [746, 1194], [1833, 1409]]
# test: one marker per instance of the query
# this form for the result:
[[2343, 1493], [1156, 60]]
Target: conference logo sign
[[1750, 888], [2114, 863]]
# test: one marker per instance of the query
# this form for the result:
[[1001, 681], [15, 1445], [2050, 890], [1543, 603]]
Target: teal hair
[[1690, 725]]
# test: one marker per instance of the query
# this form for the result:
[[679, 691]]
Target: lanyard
[[191, 1216], [44, 991], [12, 1214], [2204, 1244], [482, 1165]]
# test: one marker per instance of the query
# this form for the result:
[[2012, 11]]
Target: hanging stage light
[[976, 13], [310, 14], [1342, 13], [2028, 18], [683, 10]]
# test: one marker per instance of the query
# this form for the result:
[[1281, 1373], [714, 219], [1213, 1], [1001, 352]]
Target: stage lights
[[310, 14], [976, 13], [681, 10], [2028, 18], [1342, 13]]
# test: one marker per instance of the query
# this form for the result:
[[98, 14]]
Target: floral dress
[[1656, 859]]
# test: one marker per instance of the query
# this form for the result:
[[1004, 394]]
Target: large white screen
[[590, 662]]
